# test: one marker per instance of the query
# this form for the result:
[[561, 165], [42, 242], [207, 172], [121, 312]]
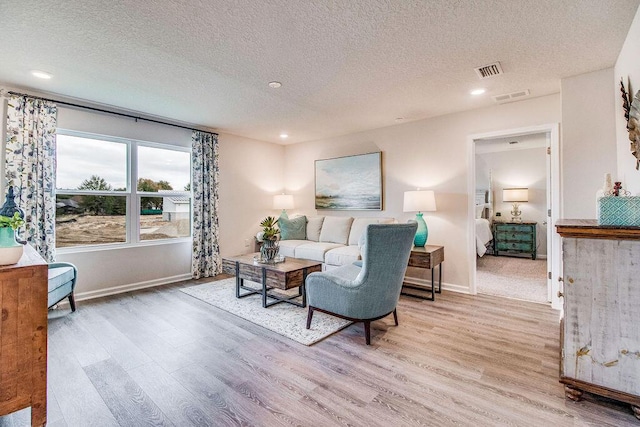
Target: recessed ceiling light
[[399, 119], [284, 135], [478, 92], [41, 74], [275, 85]]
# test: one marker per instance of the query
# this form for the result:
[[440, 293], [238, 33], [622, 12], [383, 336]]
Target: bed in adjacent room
[[483, 211]]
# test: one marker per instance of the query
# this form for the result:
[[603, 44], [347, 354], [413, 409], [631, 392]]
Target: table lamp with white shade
[[420, 201], [516, 196], [284, 202]]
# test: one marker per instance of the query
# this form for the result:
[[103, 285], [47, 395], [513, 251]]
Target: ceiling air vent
[[489, 70], [513, 96]]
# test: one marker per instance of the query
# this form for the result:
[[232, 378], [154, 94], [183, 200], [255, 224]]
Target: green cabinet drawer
[[515, 228], [514, 246], [506, 236]]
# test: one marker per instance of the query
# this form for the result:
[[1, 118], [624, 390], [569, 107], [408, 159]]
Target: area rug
[[284, 319]]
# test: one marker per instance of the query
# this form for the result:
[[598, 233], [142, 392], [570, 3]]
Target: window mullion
[[133, 219]]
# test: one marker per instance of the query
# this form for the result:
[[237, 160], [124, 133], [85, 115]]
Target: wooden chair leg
[[309, 316], [72, 302], [367, 331], [395, 317]]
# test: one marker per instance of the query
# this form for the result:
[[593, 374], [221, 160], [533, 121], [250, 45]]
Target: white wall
[[250, 172], [521, 168], [430, 154], [627, 68], [588, 140], [483, 178]]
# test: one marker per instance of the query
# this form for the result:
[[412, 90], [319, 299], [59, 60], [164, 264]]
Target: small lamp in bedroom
[[420, 201], [284, 202], [516, 196]]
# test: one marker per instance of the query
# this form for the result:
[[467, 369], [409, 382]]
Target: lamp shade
[[283, 201], [515, 195], [419, 201]]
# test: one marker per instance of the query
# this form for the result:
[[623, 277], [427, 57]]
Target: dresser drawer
[[514, 246], [511, 236], [514, 228]]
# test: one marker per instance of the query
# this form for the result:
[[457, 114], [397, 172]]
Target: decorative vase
[[10, 250], [269, 250]]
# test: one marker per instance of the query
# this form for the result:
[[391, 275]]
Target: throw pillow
[[314, 225], [293, 229]]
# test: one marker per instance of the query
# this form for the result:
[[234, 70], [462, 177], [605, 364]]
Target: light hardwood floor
[[161, 357]]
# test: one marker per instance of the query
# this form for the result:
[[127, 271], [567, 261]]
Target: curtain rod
[[136, 118]]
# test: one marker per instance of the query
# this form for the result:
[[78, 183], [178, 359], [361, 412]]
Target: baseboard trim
[[445, 286], [455, 288], [83, 296]]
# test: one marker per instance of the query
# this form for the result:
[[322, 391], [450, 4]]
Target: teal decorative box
[[614, 210]]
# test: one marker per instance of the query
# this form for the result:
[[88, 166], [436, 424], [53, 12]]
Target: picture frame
[[349, 183]]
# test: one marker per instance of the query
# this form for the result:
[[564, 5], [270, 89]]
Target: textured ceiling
[[345, 66]]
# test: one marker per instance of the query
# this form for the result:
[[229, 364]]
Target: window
[[116, 191]]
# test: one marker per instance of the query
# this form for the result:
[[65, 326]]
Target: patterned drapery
[[205, 261], [31, 168]]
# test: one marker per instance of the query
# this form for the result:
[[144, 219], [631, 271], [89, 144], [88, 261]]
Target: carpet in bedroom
[[511, 277]]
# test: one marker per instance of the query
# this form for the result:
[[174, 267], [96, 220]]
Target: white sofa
[[332, 240]]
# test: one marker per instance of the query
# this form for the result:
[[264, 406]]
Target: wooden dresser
[[515, 238], [23, 336], [600, 328]]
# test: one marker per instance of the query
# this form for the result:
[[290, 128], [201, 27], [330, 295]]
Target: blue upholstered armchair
[[62, 282], [368, 290]]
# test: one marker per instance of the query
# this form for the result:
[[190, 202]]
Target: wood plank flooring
[[161, 357]]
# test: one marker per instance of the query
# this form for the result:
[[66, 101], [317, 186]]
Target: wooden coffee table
[[285, 275]]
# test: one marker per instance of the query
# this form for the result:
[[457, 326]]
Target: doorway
[[525, 158]]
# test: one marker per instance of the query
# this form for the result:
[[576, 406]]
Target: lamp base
[[422, 233], [515, 213], [284, 214]]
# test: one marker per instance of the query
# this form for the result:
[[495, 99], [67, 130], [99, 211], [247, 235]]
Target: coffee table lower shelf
[[264, 291]]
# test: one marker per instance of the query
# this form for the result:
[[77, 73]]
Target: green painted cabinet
[[514, 238]]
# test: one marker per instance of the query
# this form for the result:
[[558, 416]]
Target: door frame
[[553, 164]]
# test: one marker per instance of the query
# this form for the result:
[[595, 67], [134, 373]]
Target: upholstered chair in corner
[[368, 290], [62, 282]]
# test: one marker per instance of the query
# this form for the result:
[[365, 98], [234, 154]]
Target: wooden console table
[[428, 257], [23, 336], [599, 332]]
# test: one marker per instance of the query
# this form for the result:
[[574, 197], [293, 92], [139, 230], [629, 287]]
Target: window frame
[[132, 195]]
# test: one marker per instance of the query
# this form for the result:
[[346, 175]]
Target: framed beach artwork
[[350, 183]]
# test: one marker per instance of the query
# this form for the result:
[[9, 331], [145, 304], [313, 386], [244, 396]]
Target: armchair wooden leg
[[72, 302], [367, 331], [309, 316], [395, 317]]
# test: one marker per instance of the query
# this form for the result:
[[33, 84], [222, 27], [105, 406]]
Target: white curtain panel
[[30, 168], [206, 261]]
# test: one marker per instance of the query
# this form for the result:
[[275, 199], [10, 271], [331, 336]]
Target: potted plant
[[270, 234], [10, 249]]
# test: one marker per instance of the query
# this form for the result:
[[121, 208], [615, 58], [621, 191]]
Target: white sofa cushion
[[335, 229], [314, 225], [342, 255], [360, 224], [314, 250], [288, 247]]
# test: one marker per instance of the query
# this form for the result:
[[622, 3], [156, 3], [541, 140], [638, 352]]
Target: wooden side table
[[428, 257]]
